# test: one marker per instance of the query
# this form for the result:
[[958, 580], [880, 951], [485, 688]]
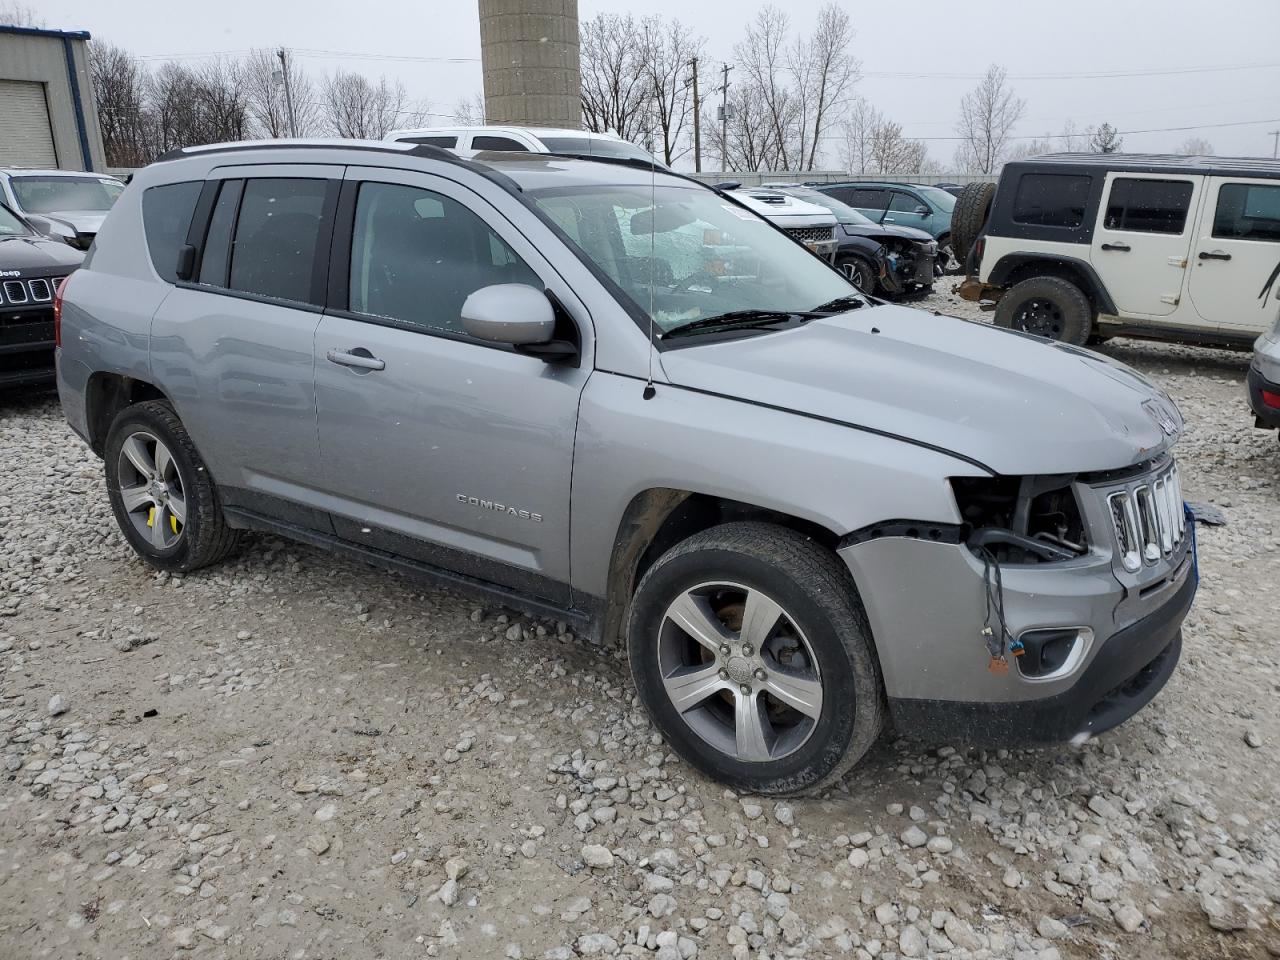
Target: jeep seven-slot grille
[[812, 234], [1147, 517], [22, 293]]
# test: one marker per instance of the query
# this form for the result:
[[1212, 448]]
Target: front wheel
[[860, 273], [752, 654], [1048, 307]]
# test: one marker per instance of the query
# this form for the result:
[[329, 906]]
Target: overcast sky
[[949, 42]]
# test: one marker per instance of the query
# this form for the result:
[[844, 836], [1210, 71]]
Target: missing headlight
[[1021, 519]]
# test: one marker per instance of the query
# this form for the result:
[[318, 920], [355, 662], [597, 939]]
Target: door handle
[[888, 220], [359, 359], [1117, 247], [1214, 255]]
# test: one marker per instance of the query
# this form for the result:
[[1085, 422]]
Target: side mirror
[[512, 313], [923, 211]]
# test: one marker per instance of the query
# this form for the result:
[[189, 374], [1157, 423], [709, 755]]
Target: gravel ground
[[296, 756]]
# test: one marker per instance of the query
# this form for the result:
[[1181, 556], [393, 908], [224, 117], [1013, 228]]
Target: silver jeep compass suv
[[610, 394]]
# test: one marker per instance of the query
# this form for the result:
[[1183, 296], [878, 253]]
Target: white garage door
[[26, 139]]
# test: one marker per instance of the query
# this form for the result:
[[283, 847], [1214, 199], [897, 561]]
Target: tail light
[[1271, 399], [57, 311]]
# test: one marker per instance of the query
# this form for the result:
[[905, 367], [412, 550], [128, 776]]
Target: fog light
[[1052, 653]]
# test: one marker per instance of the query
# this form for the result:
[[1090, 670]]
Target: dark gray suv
[[612, 395]]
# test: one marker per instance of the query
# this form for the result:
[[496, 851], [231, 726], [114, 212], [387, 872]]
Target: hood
[[85, 222], [785, 209], [36, 257], [887, 230], [1012, 402]]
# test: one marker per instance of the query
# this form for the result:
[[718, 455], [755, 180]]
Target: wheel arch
[[106, 394], [658, 518], [1014, 268]]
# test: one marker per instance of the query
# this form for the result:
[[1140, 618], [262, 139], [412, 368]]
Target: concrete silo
[[529, 51]]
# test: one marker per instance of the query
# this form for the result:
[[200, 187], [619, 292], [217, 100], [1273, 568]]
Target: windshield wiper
[[740, 320], [837, 305]]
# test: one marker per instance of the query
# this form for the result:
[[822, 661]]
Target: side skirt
[[586, 622]]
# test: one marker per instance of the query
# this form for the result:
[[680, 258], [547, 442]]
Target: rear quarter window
[[1051, 199], [166, 216]]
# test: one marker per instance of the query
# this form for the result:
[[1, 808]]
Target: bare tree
[[617, 88], [748, 143], [763, 58], [1105, 139], [669, 48], [1195, 147], [875, 144], [356, 107], [205, 105], [469, 111], [120, 90], [19, 15], [988, 114], [1072, 139], [824, 72], [264, 78]]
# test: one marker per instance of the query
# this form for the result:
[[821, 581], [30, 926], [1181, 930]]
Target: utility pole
[[724, 117], [288, 91], [1275, 143], [697, 119]]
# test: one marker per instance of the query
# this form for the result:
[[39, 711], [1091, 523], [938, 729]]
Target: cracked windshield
[[685, 254]]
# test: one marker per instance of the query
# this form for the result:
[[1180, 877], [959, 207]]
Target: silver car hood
[[81, 221], [1014, 403]]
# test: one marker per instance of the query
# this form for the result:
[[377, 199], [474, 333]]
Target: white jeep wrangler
[[1082, 247]]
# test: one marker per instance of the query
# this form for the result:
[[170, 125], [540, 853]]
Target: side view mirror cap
[[512, 313]]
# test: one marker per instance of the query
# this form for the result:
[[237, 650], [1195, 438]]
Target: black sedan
[[31, 267], [908, 260]]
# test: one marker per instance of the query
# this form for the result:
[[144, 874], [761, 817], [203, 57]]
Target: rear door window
[[166, 217], [1051, 199], [486, 141], [1148, 206], [432, 141], [1248, 211], [273, 253], [869, 199]]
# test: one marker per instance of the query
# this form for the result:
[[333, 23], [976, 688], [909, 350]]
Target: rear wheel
[[1048, 307], [751, 653], [162, 495]]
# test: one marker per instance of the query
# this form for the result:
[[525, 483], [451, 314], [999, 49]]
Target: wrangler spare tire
[[969, 217]]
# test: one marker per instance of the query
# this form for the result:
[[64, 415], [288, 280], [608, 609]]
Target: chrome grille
[[812, 234], [20, 293], [1147, 518]]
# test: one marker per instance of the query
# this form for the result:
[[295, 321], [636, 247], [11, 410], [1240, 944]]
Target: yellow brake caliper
[[151, 520]]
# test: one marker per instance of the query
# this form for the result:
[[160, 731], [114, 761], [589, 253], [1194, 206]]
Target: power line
[[1096, 75], [1072, 136]]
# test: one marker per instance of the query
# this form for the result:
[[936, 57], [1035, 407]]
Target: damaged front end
[[910, 266]]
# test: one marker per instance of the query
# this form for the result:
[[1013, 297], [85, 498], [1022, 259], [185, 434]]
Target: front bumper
[[1125, 675], [926, 604], [1266, 415]]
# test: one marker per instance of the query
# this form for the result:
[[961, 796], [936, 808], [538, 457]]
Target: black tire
[[815, 594], [203, 538], [860, 271], [1048, 307], [969, 217]]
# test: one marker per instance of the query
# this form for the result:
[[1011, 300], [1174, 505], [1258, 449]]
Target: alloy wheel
[[151, 490], [739, 671], [1041, 317]]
